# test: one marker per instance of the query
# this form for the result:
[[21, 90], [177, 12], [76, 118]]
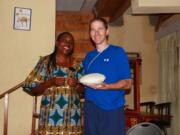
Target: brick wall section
[[78, 24]]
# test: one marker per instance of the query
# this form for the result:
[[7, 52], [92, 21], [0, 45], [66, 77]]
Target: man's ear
[[107, 32]]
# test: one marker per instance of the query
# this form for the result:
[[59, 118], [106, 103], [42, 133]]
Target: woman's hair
[[105, 23], [52, 56]]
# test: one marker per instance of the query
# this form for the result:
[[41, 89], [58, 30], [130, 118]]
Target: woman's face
[[65, 44]]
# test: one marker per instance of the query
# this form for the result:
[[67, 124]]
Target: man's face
[[98, 32]]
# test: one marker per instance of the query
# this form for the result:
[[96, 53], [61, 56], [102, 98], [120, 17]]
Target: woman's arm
[[40, 89]]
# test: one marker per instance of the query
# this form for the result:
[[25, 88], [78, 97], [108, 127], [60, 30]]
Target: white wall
[[19, 51]]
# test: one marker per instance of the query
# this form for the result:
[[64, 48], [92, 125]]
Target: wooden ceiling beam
[[100, 7], [120, 11], [111, 8], [161, 19], [106, 8]]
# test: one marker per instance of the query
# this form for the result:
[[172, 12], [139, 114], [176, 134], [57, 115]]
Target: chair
[[163, 111], [144, 128], [147, 107]]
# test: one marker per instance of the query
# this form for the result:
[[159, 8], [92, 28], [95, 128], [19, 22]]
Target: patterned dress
[[60, 110]]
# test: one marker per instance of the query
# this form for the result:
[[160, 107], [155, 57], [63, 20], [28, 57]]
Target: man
[[104, 103]]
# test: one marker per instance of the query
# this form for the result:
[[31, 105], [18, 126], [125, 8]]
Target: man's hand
[[102, 86], [122, 84]]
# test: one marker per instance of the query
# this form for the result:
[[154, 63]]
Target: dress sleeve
[[36, 76], [80, 71]]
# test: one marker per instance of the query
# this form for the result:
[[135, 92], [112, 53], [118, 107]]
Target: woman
[[55, 76]]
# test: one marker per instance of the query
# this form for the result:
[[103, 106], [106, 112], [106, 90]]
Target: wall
[[19, 51], [137, 35]]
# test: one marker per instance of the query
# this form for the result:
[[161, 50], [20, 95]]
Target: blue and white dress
[[60, 112]]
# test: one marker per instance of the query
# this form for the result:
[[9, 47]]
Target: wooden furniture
[[158, 114], [147, 107], [132, 115], [163, 110]]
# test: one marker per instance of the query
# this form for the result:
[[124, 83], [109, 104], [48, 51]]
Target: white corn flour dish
[[93, 78]]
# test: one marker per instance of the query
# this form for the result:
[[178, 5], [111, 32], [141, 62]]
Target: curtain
[[169, 75]]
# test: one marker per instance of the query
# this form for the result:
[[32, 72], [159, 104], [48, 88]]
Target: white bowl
[[93, 78]]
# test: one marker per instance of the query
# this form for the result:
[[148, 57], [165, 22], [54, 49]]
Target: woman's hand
[[72, 82], [58, 81], [40, 89]]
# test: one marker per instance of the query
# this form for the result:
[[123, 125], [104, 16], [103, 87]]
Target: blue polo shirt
[[114, 64]]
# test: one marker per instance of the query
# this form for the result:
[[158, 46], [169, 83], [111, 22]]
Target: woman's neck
[[63, 60]]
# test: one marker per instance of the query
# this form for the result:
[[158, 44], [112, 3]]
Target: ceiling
[[114, 9], [102, 8], [75, 5]]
